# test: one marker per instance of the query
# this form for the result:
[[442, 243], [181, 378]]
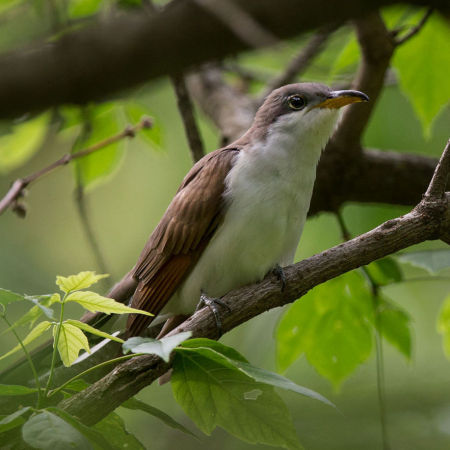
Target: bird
[[239, 212]]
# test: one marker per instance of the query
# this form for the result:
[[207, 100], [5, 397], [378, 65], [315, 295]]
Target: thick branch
[[421, 224], [372, 176], [108, 56], [377, 47]]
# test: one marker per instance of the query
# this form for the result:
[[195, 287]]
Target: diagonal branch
[[421, 224], [18, 187], [430, 219]]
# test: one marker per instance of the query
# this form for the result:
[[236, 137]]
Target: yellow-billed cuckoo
[[240, 210]]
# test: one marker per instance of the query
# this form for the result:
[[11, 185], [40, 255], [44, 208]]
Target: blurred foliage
[[21, 141], [106, 120], [333, 325], [424, 79], [433, 261]]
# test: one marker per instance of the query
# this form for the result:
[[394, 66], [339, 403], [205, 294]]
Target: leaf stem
[[375, 291], [55, 345], [30, 361], [91, 369]]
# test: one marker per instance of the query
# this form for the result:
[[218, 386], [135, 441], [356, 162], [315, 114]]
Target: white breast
[[268, 194]]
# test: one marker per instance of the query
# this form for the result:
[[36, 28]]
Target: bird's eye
[[296, 102]]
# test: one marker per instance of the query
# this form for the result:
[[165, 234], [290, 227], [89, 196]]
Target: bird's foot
[[212, 304], [279, 273]]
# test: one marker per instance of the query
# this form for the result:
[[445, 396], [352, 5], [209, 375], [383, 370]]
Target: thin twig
[[301, 61], [187, 114], [80, 201], [438, 183], [414, 30], [18, 187], [375, 289]]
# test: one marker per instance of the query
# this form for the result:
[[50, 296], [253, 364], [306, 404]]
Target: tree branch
[[438, 183], [377, 47], [372, 176], [187, 115], [96, 61], [422, 223], [430, 219], [231, 111], [18, 187]]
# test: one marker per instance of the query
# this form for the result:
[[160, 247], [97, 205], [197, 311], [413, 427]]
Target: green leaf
[[224, 350], [152, 136], [443, 325], [94, 436], [276, 380], [42, 303], [98, 166], [82, 8], [77, 385], [13, 389], [423, 64], [48, 312], [95, 302], [39, 329], [331, 325], [258, 374], [347, 59], [22, 142], [6, 5], [385, 271], [92, 330], [13, 420], [135, 404], [48, 431], [7, 297], [214, 393], [79, 281], [163, 347], [71, 341], [432, 261], [395, 326], [113, 428]]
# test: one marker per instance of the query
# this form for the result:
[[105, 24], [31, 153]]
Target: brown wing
[[181, 235]]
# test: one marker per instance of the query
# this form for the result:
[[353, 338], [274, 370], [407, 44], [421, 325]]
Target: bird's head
[[306, 111]]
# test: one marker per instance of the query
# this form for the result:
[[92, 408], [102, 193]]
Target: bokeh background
[[125, 207]]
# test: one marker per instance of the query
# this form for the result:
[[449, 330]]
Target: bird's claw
[[212, 303], [279, 273]]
